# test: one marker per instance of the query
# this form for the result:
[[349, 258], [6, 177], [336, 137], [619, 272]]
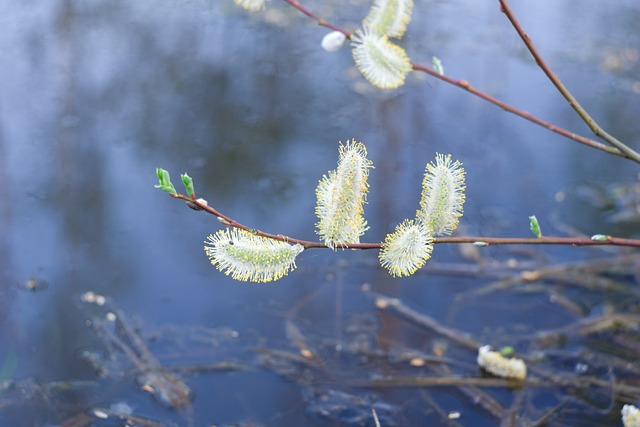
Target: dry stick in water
[[396, 306], [582, 327], [581, 274], [167, 388]]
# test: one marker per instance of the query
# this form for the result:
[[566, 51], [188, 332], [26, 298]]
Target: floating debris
[[32, 284], [498, 365], [93, 298]]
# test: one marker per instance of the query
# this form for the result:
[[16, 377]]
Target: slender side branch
[[463, 84], [320, 21], [481, 241], [573, 102], [618, 149]]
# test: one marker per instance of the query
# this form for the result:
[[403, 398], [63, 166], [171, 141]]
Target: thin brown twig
[[464, 84], [482, 241], [618, 148], [573, 102]]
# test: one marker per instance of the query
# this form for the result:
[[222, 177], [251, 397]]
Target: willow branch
[[573, 102], [318, 20], [481, 241], [464, 84]]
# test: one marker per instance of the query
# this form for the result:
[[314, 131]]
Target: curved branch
[[573, 102], [618, 148], [481, 241], [463, 84]]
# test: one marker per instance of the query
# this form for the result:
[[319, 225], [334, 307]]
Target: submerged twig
[[153, 377], [421, 381], [398, 307], [474, 393], [581, 274]]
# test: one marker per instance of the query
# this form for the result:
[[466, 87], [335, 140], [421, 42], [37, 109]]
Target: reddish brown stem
[[618, 148], [483, 241], [573, 102], [463, 84], [320, 21]]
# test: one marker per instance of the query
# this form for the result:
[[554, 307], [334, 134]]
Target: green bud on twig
[[164, 181], [437, 65], [188, 185], [535, 227]]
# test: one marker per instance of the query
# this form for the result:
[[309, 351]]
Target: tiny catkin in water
[[500, 366]]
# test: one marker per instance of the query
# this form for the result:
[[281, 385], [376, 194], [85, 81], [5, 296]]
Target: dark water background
[[95, 94]]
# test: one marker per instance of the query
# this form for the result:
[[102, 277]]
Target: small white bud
[[333, 41], [99, 413], [88, 297]]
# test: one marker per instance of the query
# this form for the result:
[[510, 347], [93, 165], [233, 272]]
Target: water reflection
[[96, 94]]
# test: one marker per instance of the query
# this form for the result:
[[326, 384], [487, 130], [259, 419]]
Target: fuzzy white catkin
[[443, 195], [341, 196], [406, 249], [500, 366], [250, 258], [630, 416], [333, 41], [389, 17], [382, 63], [251, 5]]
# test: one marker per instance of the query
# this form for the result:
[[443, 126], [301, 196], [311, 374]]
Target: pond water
[[94, 95]]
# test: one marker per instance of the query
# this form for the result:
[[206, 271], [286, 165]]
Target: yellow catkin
[[443, 197], [341, 196], [498, 365], [382, 63], [250, 258], [406, 249], [389, 17], [251, 5], [630, 416]]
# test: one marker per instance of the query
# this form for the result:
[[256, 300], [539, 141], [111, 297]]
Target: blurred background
[[94, 95]]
